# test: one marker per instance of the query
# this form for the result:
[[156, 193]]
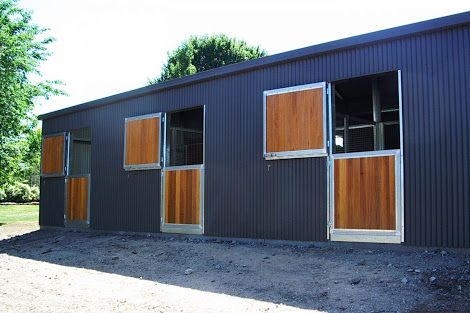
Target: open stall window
[[142, 142], [184, 137], [366, 114], [295, 122], [80, 152], [53, 155]]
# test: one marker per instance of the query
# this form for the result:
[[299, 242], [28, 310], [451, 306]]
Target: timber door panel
[[182, 200], [364, 193], [365, 197], [77, 203], [182, 197], [53, 155], [142, 142], [295, 122]]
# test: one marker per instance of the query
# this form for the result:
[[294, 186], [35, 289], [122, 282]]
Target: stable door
[[365, 185]]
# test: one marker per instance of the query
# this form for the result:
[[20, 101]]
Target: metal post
[[346, 134], [332, 125], [377, 116]]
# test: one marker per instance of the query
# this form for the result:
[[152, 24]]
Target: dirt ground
[[58, 271]]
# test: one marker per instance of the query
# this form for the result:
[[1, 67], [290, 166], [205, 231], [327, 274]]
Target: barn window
[[185, 137], [142, 142], [295, 122], [366, 114], [80, 152], [53, 155]]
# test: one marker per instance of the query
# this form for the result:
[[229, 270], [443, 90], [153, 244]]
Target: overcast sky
[[104, 47]]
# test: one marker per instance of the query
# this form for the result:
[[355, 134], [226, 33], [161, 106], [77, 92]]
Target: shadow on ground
[[326, 279]]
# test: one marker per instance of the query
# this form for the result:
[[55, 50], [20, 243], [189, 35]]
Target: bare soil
[[62, 271]]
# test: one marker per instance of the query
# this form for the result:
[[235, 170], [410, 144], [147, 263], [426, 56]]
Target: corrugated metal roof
[[391, 33]]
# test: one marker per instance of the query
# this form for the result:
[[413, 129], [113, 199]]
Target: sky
[[104, 47]]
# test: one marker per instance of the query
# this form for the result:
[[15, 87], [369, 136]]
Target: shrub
[[3, 195], [19, 192], [35, 193]]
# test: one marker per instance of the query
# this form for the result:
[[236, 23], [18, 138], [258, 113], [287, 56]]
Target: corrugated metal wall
[[246, 196], [51, 211]]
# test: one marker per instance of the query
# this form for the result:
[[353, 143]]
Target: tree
[[29, 168], [23, 46], [202, 53]]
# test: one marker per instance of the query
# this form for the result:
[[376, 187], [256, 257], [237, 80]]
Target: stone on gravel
[[404, 280], [188, 271], [432, 279], [355, 281], [362, 262], [417, 270]]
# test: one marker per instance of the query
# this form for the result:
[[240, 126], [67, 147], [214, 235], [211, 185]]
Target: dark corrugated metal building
[[360, 139]]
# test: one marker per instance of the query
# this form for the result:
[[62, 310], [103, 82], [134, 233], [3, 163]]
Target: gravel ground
[[58, 271]]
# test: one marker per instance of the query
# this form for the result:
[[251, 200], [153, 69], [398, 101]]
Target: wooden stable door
[[182, 202], [53, 155], [364, 193], [77, 198], [295, 121]]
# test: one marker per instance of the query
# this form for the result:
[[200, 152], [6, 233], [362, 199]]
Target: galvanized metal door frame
[[193, 229], [77, 224], [149, 166], [368, 235], [67, 223], [363, 235], [296, 153], [66, 136]]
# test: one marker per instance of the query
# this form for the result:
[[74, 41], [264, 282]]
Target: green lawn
[[18, 213]]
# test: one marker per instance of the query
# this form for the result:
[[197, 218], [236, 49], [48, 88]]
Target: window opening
[[184, 137], [366, 114]]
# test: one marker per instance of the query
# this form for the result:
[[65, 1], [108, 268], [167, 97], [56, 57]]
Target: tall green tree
[[201, 53], [23, 46]]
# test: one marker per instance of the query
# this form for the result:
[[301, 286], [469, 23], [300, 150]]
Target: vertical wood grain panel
[[142, 141], [77, 198], [52, 158], [182, 196], [364, 193], [294, 121]]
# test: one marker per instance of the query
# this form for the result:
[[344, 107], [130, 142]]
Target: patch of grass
[[11, 213]]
